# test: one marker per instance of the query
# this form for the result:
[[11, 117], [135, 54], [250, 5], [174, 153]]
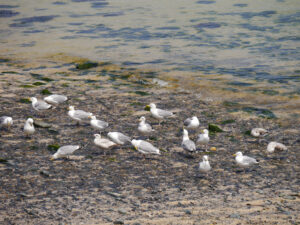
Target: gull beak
[[90, 117], [52, 158], [234, 154]]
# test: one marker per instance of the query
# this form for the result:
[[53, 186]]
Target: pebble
[[118, 222]]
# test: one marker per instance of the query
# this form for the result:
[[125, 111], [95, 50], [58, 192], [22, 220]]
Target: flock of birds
[[117, 138]]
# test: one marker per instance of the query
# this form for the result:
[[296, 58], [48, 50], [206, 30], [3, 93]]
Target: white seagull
[[256, 132], [78, 115], [204, 166], [118, 138], [55, 99], [65, 151], [28, 127], [204, 138], [98, 124], [272, 146], [103, 142], [39, 104], [243, 160], [186, 143], [192, 122], [6, 121], [143, 126], [145, 147], [159, 114]]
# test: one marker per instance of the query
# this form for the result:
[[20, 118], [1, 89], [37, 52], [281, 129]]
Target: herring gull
[[65, 151], [118, 138], [192, 122], [186, 143], [243, 160], [145, 147], [143, 126], [55, 99], [272, 146]]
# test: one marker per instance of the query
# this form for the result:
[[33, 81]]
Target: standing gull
[[39, 105], [6, 121], [55, 99], [243, 160], [78, 115], [159, 114], [144, 127], [257, 132], [272, 146], [28, 127], [118, 138], [204, 138], [186, 143], [204, 166], [65, 151], [145, 147], [98, 124], [103, 142], [192, 122]]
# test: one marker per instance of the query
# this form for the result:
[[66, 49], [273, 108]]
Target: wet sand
[[119, 186]]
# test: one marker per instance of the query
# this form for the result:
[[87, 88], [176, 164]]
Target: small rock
[[122, 211], [42, 124], [45, 173], [118, 222], [188, 212], [235, 215]]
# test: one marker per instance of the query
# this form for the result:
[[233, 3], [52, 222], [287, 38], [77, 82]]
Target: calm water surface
[[251, 40]]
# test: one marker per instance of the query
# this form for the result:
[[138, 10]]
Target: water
[[249, 43]]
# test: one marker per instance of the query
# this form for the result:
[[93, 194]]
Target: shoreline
[[118, 186]]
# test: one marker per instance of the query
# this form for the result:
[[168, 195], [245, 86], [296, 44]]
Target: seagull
[[56, 99], [78, 115], [192, 122], [28, 127], [243, 160], [98, 124], [145, 147], [272, 146], [204, 166], [256, 132], [186, 143], [39, 104], [6, 121], [143, 126], [118, 138], [103, 142], [65, 151], [204, 138], [159, 114]]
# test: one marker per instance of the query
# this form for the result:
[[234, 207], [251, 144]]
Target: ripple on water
[[24, 22], [8, 13]]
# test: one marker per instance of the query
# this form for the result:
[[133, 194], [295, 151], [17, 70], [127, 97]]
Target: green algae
[[86, 65]]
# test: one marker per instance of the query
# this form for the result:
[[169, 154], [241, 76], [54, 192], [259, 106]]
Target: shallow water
[[240, 44]]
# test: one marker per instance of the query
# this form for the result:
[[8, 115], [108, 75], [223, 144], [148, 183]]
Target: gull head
[[92, 117], [205, 131], [238, 154], [9, 121], [185, 132], [71, 108], [97, 135], [53, 157], [152, 106], [205, 158], [142, 119], [30, 121], [33, 99], [135, 143], [194, 118]]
